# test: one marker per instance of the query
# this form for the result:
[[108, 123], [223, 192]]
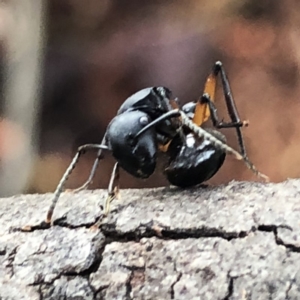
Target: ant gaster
[[149, 122]]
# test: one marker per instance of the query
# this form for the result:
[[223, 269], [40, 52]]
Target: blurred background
[[67, 65]]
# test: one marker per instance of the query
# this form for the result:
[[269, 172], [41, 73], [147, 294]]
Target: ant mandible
[[149, 122]]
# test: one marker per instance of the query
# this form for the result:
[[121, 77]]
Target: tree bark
[[234, 241]]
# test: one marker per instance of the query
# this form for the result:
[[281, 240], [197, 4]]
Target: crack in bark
[[41, 296], [46, 289], [179, 275], [149, 230], [172, 291], [63, 223], [100, 292], [278, 240], [111, 233], [91, 287], [92, 269], [58, 222], [133, 272], [230, 287], [10, 260], [289, 288], [129, 287]]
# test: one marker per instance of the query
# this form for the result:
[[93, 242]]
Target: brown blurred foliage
[[100, 52]]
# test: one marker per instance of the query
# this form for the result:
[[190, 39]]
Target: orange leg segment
[[202, 112]]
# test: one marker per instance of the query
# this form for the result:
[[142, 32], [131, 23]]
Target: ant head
[[137, 156]]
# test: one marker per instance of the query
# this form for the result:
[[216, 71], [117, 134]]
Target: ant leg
[[234, 124], [93, 170], [113, 192], [113, 188], [206, 102], [201, 111], [214, 116], [205, 108], [231, 107], [65, 177], [91, 176], [233, 113]]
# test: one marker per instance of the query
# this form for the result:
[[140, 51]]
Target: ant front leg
[[68, 172], [93, 170], [113, 192], [113, 188]]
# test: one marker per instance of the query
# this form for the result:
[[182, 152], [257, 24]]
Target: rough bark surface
[[235, 241]]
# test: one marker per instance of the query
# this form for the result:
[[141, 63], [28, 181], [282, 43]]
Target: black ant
[[149, 122]]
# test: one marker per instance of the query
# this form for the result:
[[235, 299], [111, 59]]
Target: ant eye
[[144, 120]]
